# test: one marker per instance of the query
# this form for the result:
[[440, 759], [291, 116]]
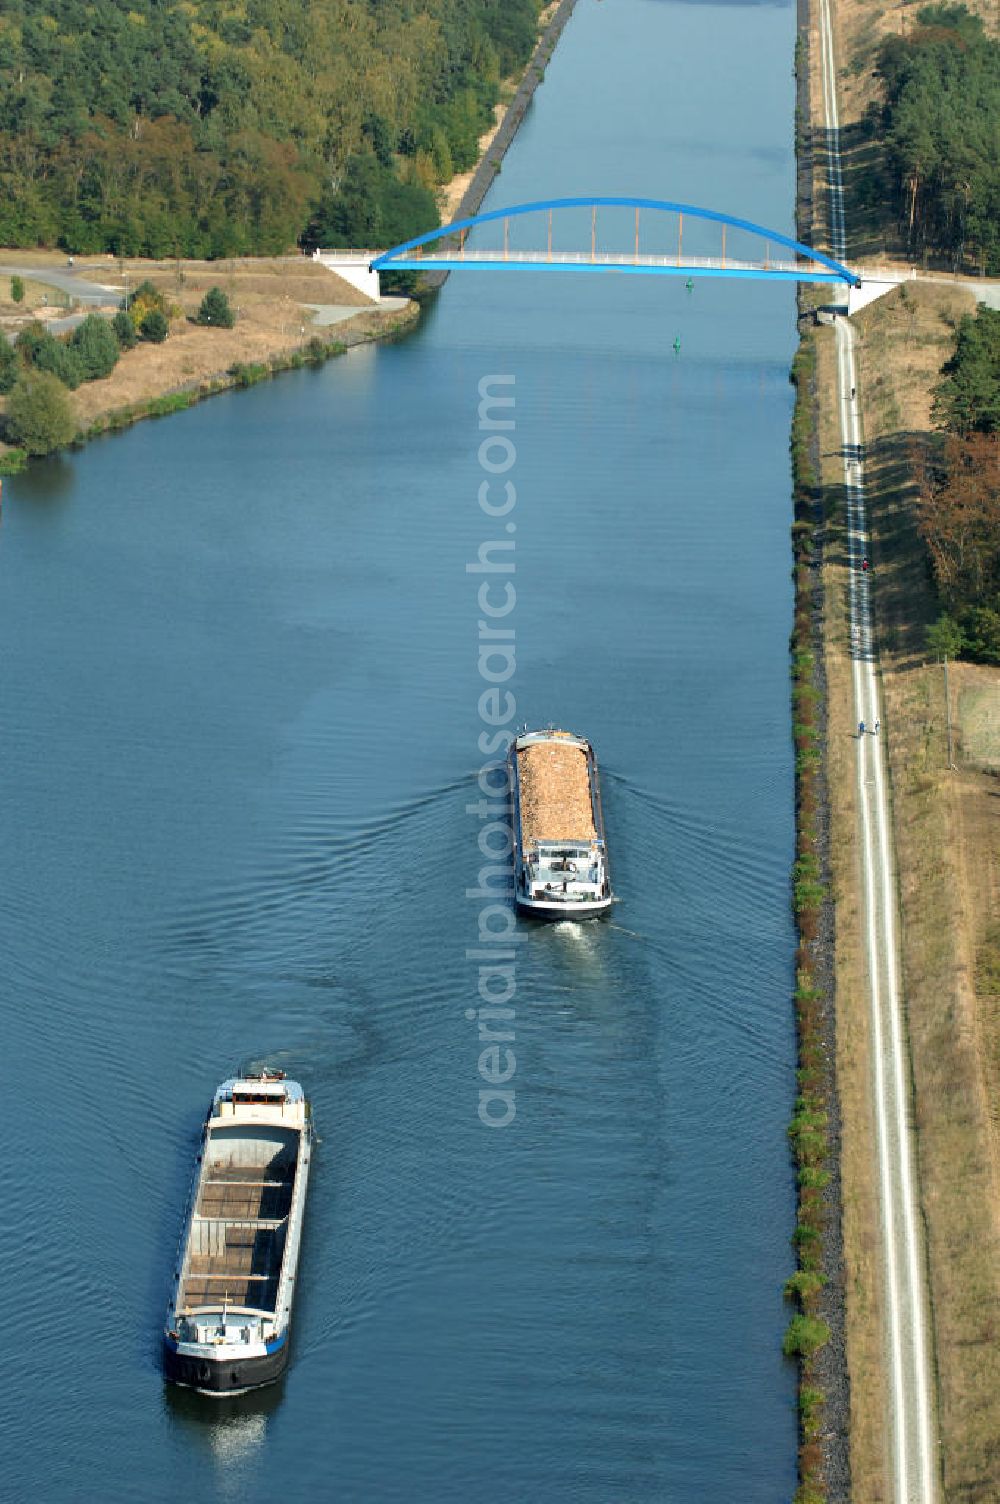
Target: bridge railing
[[347, 256]]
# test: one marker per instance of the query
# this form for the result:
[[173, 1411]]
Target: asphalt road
[[66, 280], [89, 294]]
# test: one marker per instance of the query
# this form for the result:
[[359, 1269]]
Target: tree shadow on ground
[[898, 582], [871, 227]]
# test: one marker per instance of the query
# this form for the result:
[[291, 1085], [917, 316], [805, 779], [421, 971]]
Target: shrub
[[29, 339], [807, 890], [145, 297], [59, 360], [62, 361], [806, 1238], [8, 364], [810, 1144], [17, 289], [124, 330], [945, 638], [13, 461], [154, 326], [215, 310], [808, 1117], [172, 402], [96, 347], [811, 1402], [804, 1335], [981, 626], [249, 373], [38, 348], [39, 415], [804, 1284]]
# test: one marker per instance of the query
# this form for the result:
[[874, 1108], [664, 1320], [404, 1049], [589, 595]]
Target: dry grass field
[[903, 340], [979, 715]]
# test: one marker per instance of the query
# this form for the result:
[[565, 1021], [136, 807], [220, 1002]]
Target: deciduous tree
[[200, 130], [39, 414]]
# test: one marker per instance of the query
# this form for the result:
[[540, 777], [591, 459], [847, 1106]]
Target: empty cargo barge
[[560, 854], [231, 1301]]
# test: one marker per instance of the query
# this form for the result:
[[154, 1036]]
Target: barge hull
[[228, 1376], [535, 910]]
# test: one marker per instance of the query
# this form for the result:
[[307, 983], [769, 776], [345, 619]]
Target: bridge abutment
[[353, 267], [875, 284]]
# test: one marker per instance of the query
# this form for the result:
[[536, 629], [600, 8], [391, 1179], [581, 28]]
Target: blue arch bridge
[[644, 236]]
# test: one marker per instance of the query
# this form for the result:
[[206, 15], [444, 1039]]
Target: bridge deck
[[687, 266]]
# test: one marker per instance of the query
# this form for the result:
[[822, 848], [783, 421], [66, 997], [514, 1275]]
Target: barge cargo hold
[[560, 853], [230, 1308]]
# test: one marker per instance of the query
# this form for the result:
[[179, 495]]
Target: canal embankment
[[816, 1335], [943, 752]]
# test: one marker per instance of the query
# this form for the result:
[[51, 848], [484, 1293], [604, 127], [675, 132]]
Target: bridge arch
[[400, 257]]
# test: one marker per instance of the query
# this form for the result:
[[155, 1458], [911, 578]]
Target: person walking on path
[[877, 725], [861, 728]]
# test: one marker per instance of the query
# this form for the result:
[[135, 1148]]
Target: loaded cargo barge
[[560, 853], [230, 1307]]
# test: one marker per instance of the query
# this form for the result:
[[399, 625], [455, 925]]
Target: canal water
[[241, 715]]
